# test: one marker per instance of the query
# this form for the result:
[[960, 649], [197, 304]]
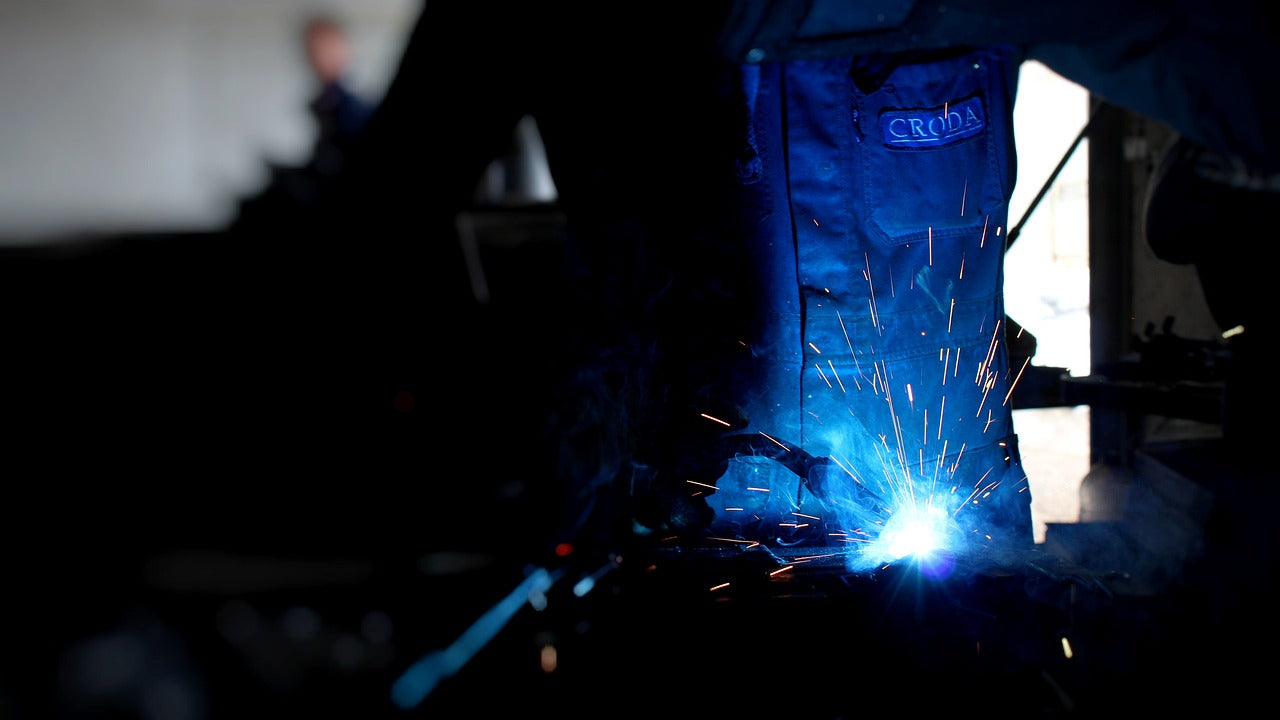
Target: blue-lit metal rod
[[420, 678]]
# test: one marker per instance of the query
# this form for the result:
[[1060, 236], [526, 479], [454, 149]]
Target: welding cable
[[421, 678]]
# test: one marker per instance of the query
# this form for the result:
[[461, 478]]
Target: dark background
[[306, 453]]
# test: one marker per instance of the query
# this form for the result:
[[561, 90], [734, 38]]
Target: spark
[[930, 246], [897, 430], [974, 494], [758, 489], [956, 465], [1014, 384], [811, 517], [714, 419], [815, 222], [837, 376], [983, 241], [695, 482], [964, 195], [926, 427], [817, 557], [1232, 332], [721, 586], [1066, 648], [871, 293], [852, 354], [824, 375], [951, 315], [845, 330], [991, 349], [962, 256], [779, 571], [986, 387], [815, 348], [732, 540], [767, 435], [733, 509], [847, 470], [941, 410]]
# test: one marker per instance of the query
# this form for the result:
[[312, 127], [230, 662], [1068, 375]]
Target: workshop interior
[[382, 439]]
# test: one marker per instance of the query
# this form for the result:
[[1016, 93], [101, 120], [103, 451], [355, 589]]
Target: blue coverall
[[878, 196]]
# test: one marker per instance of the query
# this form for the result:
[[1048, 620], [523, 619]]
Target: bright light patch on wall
[[1047, 282], [1047, 268]]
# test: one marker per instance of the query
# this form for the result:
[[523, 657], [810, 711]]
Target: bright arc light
[[916, 537], [914, 532]]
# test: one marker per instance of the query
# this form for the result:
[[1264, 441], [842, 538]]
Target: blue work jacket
[[877, 191]]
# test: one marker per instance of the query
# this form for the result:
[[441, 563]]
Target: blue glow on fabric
[[882, 212]]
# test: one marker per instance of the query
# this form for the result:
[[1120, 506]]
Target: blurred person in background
[[339, 115]]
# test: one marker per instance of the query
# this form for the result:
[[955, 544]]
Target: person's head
[[325, 43]]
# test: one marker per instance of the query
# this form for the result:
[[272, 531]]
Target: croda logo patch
[[933, 127]]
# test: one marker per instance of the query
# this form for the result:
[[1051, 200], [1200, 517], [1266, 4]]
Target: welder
[[881, 185], [786, 229]]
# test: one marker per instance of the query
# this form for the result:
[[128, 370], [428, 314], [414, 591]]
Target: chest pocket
[[935, 139]]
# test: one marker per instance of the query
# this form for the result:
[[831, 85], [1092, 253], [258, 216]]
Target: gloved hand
[[743, 485]]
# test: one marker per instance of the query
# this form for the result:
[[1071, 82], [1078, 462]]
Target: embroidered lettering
[[933, 127]]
